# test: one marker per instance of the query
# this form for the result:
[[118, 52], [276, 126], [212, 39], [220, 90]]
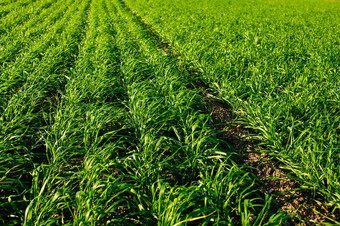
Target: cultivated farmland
[[169, 112]]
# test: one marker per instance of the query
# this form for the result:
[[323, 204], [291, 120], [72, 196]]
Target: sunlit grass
[[99, 125], [277, 64]]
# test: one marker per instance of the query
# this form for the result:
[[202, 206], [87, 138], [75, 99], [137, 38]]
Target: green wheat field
[[169, 112]]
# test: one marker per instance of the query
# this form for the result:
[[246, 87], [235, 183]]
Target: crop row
[[99, 126], [28, 91], [277, 63]]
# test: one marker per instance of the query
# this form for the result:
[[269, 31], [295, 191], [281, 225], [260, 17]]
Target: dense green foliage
[[99, 125], [276, 62]]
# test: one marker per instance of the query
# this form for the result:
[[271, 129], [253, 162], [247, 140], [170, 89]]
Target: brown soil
[[287, 192], [303, 206]]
